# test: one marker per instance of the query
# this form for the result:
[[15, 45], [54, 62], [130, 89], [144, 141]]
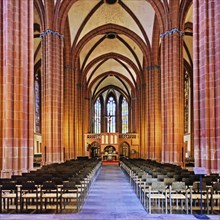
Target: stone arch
[[41, 12], [184, 8], [94, 149], [124, 149]]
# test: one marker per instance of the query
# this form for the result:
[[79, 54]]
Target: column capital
[[172, 31], [54, 33]]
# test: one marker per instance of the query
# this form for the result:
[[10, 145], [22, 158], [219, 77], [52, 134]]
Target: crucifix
[[109, 118]]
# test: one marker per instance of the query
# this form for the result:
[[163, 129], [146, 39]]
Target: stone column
[[69, 112], [80, 115], [154, 115], [16, 87], [52, 96], [142, 120], [172, 96], [206, 63]]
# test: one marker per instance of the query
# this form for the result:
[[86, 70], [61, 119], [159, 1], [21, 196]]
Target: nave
[[111, 197]]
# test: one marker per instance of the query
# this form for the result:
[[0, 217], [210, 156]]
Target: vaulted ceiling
[[111, 58]]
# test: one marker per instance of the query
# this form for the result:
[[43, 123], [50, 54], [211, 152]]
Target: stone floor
[[110, 198]]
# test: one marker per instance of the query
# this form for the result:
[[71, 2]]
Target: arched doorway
[[124, 150], [95, 150]]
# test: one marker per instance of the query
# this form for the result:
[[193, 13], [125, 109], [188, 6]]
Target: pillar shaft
[[154, 115], [79, 135], [52, 97], [172, 98], [206, 51], [16, 87]]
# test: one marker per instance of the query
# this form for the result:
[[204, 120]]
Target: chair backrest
[[69, 185], [216, 187], [3, 180], [177, 177], [188, 181], [57, 180], [208, 180], [150, 180], [161, 177], [168, 181], [170, 174], [28, 186], [49, 186], [20, 180], [145, 177], [9, 186], [196, 186], [178, 186], [158, 186]]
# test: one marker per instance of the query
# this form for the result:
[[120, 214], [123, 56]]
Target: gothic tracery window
[[111, 113], [97, 116], [124, 115]]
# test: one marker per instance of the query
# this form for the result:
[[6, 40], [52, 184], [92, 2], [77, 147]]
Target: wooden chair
[[70, 196], [29, 196], [49, 196], [215, 198], [145, 189], [178, 194], [157, 197], [195, 196], [8, 197], [141, 185]]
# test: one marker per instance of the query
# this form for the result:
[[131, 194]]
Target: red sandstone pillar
[[67, 111], [154, 113], [78, 112], [52, 97], [206, 51], [172, 96], [141, 117], [68, 97], [155, 97], [16, 87], [52, 89]]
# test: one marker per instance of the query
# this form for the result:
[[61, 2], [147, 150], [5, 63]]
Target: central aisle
[[111, 197]]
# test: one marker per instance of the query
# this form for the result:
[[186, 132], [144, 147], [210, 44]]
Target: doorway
[[125, 150], [95, 150]]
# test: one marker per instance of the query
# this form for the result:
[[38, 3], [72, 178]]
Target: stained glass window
[[111, 112], [97, 116], [124, 115], [37, 91]]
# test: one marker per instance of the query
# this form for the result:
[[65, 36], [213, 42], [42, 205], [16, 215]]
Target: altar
[[109, 157], [110, 153]]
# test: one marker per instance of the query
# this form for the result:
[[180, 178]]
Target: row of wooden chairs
[[169, 187], [53, 188]]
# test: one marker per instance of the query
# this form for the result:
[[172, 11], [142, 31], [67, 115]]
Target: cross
[[109, 118]]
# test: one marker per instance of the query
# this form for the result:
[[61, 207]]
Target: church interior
[[87, 86]]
